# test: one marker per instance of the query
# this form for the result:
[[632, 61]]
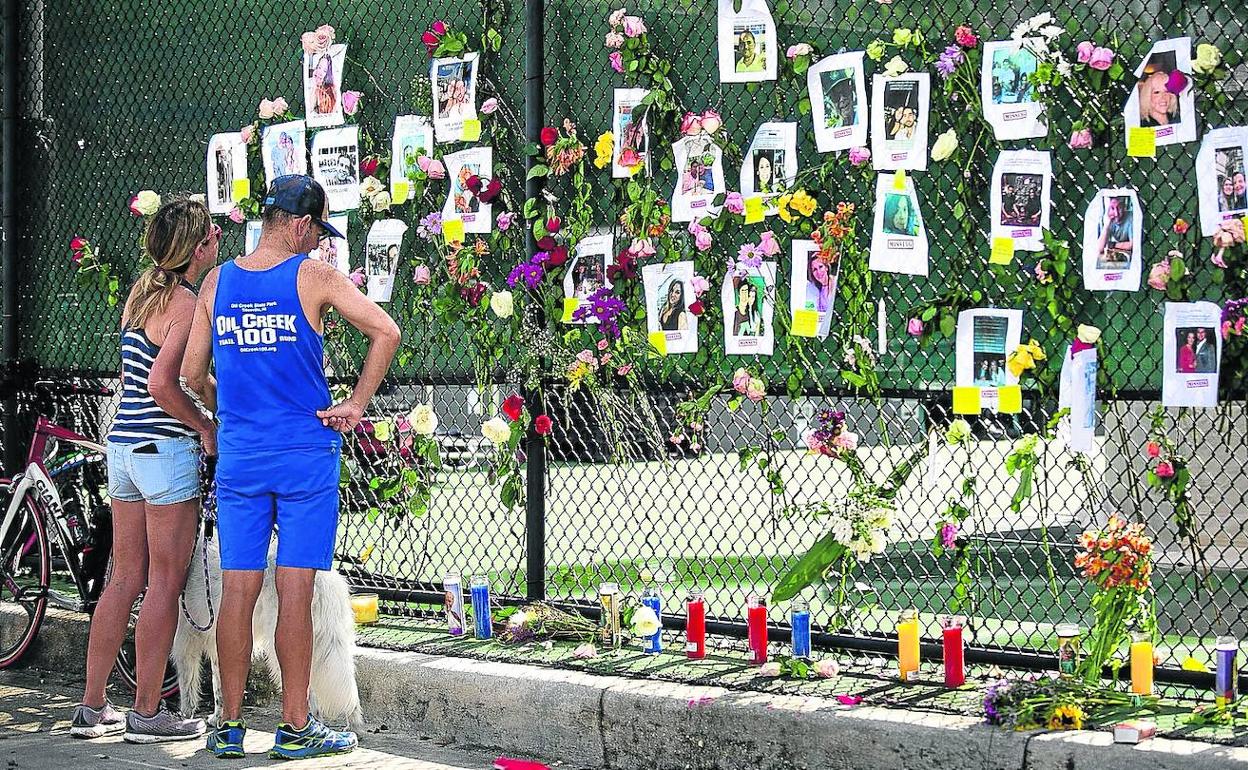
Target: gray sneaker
[[164, 726], [96, 723]]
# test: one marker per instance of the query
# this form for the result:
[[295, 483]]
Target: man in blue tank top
[[258, 322]]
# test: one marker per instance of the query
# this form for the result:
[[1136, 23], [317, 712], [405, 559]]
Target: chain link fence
[[115, 99]]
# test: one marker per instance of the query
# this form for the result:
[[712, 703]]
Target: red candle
[[955, 666], [756, 622], [695, 626]]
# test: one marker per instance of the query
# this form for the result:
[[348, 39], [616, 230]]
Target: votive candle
[[454, 605], [908, 644], [695, 626], [482, 622], [1142, 664], [1226, 679], [756, 623], [954, 649], [364, 608], [653, 644], [799, 619]]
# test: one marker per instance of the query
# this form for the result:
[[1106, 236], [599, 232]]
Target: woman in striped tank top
[[153, 477]]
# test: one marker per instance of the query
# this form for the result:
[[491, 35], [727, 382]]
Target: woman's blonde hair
[[170, 241]]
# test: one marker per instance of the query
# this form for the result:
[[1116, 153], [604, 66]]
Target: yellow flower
[[382, 430], [1208, 57], [1035, 350], [902, 36], [1067, 716], [603, 149], [804, 204], [783, 206], [1020, 361], [1088, 334]]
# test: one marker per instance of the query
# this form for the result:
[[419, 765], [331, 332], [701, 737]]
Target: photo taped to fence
[[284, 150], [322, 86], [1112, 229], [1192, 354], [985, 338], [454, 84], [899, 118], [746, 42], [1161, 100], [1220, 178], [837, 89], [748, 303]]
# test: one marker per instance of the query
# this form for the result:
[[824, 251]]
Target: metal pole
[[535, 447], [8, 255]]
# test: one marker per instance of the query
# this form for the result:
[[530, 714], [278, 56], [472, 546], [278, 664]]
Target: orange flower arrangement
[[836, 227], [1118, 560]]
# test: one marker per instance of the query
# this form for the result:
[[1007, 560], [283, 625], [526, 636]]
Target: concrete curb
[[594, 721]]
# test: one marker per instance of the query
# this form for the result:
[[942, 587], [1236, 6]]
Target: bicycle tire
[[25, 557], [126, 656]]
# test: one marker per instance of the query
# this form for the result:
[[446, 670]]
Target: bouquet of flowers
[[540, 622], [1118, 560], [1046, 700], [830, 438]]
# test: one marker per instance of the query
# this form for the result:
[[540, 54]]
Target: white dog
[[332, 692]]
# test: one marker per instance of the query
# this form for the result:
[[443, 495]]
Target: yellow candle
[[1142, 667], [364, 607], [908, 644]]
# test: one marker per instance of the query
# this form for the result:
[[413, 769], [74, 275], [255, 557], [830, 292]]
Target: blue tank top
[[269, 363]]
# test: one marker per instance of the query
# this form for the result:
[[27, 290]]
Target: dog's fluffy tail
[[333, 667]]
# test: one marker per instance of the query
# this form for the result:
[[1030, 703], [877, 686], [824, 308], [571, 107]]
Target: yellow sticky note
[[754, 209], [966, 400], [570, 304], [805, 323], [658, 341], [399, 190], [1009, 399], [899, 180], [472, 130], [1002, 251], [453, 229], [1141, 142], [241, 188]]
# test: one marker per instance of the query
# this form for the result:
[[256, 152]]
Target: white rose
[[944, 145], [1208, 57], [878, 541], [1088, 334], [861, 549], [502, 304], [370, 186], [265, 110], [645, 622], [146, 203], [423, 420], [895, 66], [770, 669], [496, 430], [380, 201]]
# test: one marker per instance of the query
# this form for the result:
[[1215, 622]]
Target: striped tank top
[[140, 418]]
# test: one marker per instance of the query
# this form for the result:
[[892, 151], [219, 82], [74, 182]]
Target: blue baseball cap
[[300, 195]]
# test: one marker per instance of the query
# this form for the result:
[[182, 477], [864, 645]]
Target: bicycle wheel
[[126, 657], [25, 575]]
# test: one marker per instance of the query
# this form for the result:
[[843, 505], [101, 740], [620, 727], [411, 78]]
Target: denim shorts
[[166, 476]]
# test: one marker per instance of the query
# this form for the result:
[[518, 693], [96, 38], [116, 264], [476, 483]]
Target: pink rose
[[1159, 275], [489, 106], [812, 442], [357, 277], [846, 440], [614, 40], [504, 221], [624, 370], [1153, 449], [440, 27], [350, 102], [1081, 139], [755, 390], [740, 380], [641, 247], [236, 215], [859, 155], [702, 240], [711, 121], [734, 203], [1164, 470], [308, 41], [280, 107], [699, 285], [1083, 53], [324, 37], [617, 17], [768, 244], [801, 49], [965, 37], [826, 669], [634, 26], [431, 166], [617, 61], [421, 275], [914, 327], [630, 158], [691, 124], [265, 110], [247, 133], [1102, 59], [1176, 83]]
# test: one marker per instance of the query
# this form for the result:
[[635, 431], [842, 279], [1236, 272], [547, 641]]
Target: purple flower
[[949, 535], [430, 226], [529, 273], [604, 307], [750, 256], [504, 221], [945, 66]]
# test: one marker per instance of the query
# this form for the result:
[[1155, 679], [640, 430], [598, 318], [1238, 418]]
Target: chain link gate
[[112, 100]]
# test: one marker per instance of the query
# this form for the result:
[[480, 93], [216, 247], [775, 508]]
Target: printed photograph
[[901, 110], [1158, 107], [769, 172], [284, 150], [411, 144], [820, 284], [988, 342], [900, 218], [1010, 71], [322, 81], [223, 161], [466, 201], [632, 134], [588, 276], [454, 90], [750, 52], [338, 166], [1115, 242], [840, 100], [747, 317], [1021, 199], [1228, 166], [381, 258], [698, 176], [671, 305], [1196, 351]]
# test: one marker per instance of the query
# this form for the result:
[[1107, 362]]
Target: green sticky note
[[1141, 142], [1002, 251], [754, 209], [241, 188], [966, 400], [399, 190], [658, 341], [472, 130], [570, 304], [453, 229], [1009, 399], [805, 323], [899, 180]]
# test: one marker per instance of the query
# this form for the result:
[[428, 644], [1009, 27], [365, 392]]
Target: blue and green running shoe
[[225, 740], [314, 740]]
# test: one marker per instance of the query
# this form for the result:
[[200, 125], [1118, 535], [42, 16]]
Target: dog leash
[[207, 521]]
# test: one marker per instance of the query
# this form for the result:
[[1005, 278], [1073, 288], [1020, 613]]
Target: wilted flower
[[1080, 140], [959, 432]]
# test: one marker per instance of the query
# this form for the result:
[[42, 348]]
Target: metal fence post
[[535, 447], [8, 252]]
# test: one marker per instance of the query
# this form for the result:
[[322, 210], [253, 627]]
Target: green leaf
[[538, 170], [927, 314], [948, 325], [809, 568], [494, 38], [1178, 268]]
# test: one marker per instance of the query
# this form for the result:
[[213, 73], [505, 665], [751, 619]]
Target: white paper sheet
[[284, 149], [336, 251], [629, 135], [336, 165], [986, 337], [1192, 347], [838, 101], [900, 108], [587, 270], [227, 161], [251, 235], [747, 42], [1112, 229], [1220, 177], [669, 292], [1150, 105], [454, 83], [1077, 392], [770, 164], [748, 301], [413, 137], [1009, 104], [700, 177], [1021, 191], [462, 202], [322, 86], [898, 237], [812, 284], [382, 257]]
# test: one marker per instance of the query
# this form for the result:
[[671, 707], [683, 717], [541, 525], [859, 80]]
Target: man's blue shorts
[[296, 489]]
